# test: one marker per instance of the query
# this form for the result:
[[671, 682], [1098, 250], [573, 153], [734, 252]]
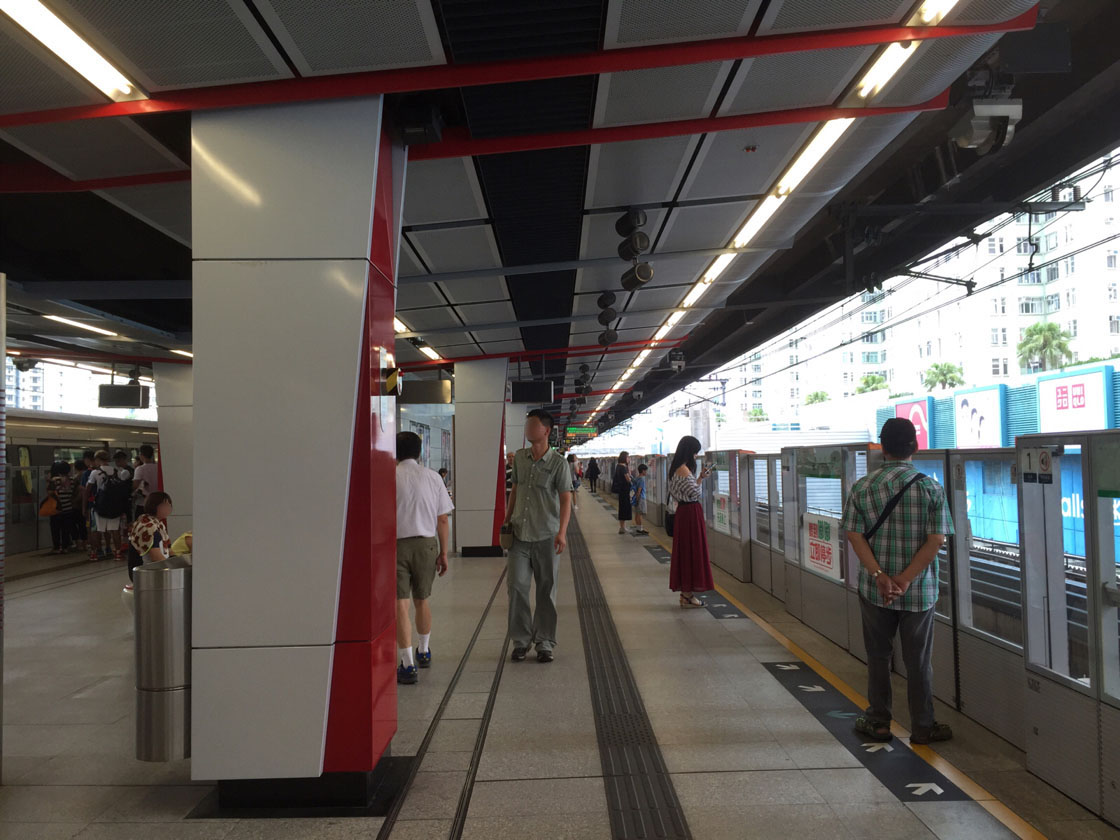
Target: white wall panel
[[176, 454], [273, 704], [475, 527], [267, 571], [481, 382], [477, 438], [300, 178]]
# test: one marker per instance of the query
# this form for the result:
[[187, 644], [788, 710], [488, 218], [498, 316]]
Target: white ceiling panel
[[409, 264], [416, 295], [31, 78], [632, 22], [587, 305], [636, 172], [646, 320], [813, 15], [793, 80], [935, 65], [659, 94], [442, 191], [166, 207], [85, 149], [666, 299], [178, 45], [600, 239], [475, 289], [859, 146], [988, 11], [703, 226], [744, 162], [430, 319], [502, 346], [342, 36], [456, 339], [487, 313], [486, 336], [406, 352], [457, 249]]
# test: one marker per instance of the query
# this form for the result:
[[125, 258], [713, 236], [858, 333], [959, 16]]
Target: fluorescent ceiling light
[[186, 353], [59, 362], [96, 369], [675, 318], [47, 28], [664, 331], [812, 154], [431, 353], [13, 353], [398, 325], [695, 294], [932, 12], [884, 69], [759, 217], [79, 325], [717, 268], [642, 357]]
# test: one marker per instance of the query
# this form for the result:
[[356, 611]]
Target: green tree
[[872, 382], [816, 397], [1047, 344], [757, 415], [944, 375]]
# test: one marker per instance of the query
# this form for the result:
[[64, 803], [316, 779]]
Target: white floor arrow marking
[[926, 787], [875, 747], [811, 687], [789, 668]]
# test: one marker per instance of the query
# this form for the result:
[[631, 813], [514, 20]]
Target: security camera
[[637, 394], [676, 360]]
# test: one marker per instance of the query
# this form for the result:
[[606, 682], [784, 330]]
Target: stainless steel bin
[[163, 659]]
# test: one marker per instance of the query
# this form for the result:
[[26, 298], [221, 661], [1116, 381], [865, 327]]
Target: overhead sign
[[919, 413], [821, 540], [1075, 403], [979, 418], [582, 430]]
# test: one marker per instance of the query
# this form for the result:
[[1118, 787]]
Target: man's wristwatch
[[875, 574]]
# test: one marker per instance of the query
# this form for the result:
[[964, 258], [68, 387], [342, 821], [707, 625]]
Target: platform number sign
[[1036, 466]]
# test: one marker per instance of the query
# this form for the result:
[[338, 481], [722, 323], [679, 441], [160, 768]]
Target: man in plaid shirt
[[898, 580]]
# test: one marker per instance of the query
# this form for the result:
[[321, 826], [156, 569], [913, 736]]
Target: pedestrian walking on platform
[[897, 520], [540, 505], [638, 502], [620, 484], [423, 534], [593, 474], [573, 465], [690, 570]]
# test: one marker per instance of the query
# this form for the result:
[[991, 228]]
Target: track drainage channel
[[641, 798]]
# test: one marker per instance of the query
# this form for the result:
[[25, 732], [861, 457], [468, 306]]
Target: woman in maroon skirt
[[690, 570]]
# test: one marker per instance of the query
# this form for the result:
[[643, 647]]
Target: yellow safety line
[[983, 798]]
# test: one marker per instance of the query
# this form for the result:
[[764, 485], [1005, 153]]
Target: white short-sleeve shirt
[[421, 500]]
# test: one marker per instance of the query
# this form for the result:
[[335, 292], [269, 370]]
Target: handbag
[[670, 514], [49, 505], [889, 509], [505, 537]]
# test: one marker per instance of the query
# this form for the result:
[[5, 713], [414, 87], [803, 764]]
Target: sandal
[[691, 603], [876, 730], [937, 732]]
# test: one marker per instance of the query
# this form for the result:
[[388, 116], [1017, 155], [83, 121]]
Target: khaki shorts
[[416, 567]]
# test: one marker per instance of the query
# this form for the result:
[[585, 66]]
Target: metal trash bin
[[163, 659]]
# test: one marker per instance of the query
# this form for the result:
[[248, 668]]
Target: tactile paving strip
[[641, 798]]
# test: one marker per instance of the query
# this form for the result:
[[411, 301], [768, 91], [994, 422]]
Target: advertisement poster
[[1073, 403], [821, 538], [918, 414], [979, 416], [445, 449], [425, 433], [721, 513]]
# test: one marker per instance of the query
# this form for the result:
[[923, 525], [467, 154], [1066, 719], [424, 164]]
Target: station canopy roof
[[732, 125]]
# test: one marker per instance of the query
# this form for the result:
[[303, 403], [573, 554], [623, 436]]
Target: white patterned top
[[684, 488]]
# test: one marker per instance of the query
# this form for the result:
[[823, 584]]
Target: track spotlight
[[637, 276], [586, 369], [607, 338], [605, 299], [632, 220], [633, 246], [581, 400], [607, 316]]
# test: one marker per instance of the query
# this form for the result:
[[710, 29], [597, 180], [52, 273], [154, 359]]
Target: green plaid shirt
[[921, 511]]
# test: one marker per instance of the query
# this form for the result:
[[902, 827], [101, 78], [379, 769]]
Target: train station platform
[[732, 721]]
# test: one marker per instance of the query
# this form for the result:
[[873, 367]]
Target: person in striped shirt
[[898, 579]]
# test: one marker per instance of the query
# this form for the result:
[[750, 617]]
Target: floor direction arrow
[[811, 687], [788, 667], [926, 787], [876, 746], [843, 714]]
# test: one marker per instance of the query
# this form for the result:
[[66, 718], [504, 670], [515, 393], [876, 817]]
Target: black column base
[[481, 551]]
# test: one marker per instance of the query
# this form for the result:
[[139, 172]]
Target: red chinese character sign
[[820, 539], [919, 413], [1077, 402]]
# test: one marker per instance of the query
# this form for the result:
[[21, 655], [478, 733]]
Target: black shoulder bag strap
[[891, 505]]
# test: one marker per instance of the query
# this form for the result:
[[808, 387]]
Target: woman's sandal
[[692, 602], [873, 729]]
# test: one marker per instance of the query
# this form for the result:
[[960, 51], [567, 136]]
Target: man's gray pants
[[528, 562], [915, 631]]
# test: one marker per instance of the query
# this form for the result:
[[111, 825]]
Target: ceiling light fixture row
[[885, 67], [399, 327]]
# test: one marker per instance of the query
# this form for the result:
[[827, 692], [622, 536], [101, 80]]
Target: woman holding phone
[[690, 570]]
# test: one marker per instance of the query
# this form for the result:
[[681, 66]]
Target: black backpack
[[114, 496]]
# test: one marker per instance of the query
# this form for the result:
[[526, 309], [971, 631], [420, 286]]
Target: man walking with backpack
[[897, 519], [110, 494]]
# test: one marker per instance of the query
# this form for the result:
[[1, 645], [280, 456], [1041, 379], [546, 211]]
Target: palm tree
[[872, 382], [944, 374], [1047, 344], [816, 397]]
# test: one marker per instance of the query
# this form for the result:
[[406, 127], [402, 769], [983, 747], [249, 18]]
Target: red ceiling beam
[[36, 178], [458, 143], [552, 354], [416, 79]]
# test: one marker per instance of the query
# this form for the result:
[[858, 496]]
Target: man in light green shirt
[[539, 507]]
